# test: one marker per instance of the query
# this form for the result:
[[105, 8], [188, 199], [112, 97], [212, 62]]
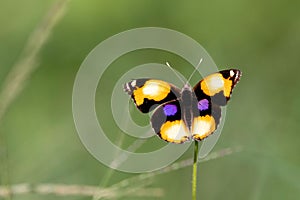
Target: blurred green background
[[39, 143]]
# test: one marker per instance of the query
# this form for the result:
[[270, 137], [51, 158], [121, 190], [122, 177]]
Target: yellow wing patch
[[216, 83], [153, 90], [174, 131], [203, 126]]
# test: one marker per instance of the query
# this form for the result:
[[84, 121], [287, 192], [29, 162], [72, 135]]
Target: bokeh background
[[38, 140]]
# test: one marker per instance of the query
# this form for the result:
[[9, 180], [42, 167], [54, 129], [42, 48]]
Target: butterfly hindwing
[[206, 121], [149, 93], [168, 124]]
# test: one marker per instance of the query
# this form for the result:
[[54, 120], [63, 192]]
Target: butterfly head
[[186, 87]]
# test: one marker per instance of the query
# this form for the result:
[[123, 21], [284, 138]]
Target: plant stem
[[194, 184]]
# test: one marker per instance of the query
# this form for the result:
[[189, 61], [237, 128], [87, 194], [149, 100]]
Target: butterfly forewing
[[218, 86], [149, 93]]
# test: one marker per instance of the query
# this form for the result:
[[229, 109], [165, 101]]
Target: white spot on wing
[[231, 73], [201, 127], [133, 83], [215, 83], [127, 88], [176, 132], [151, 89]]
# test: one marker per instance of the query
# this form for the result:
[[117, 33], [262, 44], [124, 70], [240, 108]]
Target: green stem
[[194, 184]]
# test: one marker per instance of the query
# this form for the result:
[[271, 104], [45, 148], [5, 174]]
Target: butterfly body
[[187, 101], [186, 114]]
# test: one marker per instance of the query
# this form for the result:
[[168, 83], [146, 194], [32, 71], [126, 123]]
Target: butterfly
[[187, 114]]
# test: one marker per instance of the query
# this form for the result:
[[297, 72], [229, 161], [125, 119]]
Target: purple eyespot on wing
[[203, 104], [170, 109]]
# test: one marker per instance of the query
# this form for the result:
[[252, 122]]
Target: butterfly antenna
[[175, 72], [196, 69]]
